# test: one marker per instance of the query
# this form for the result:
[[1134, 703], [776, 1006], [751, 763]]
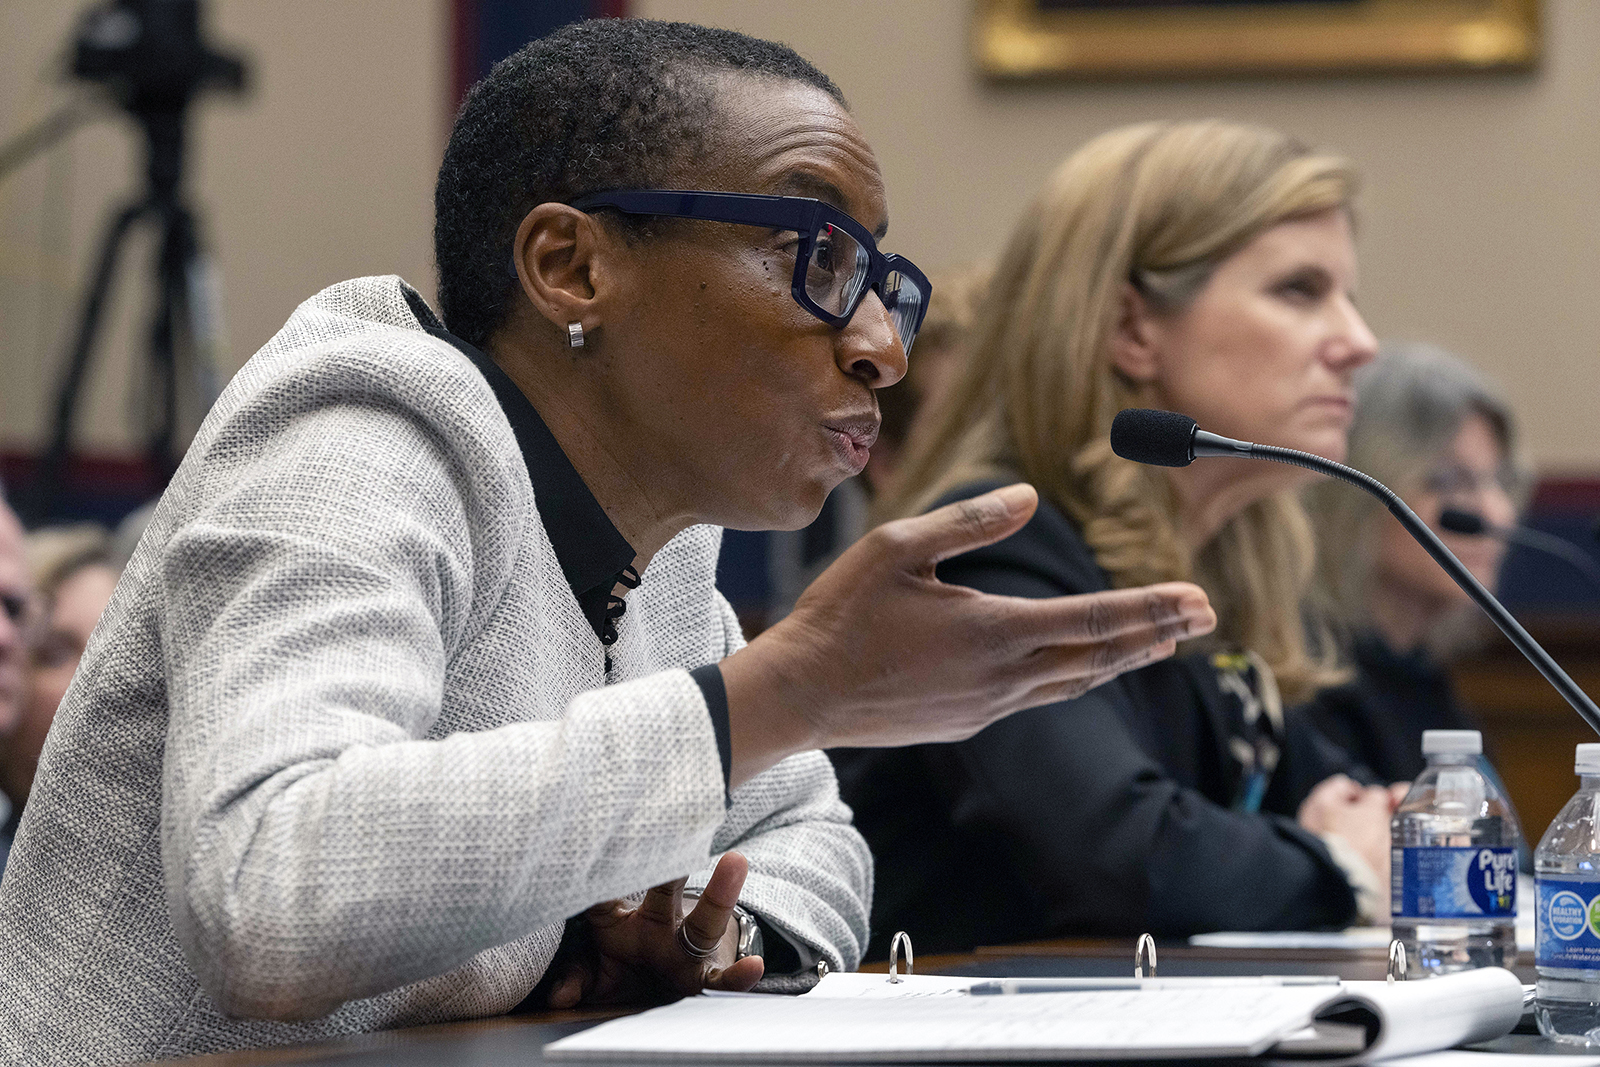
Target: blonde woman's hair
[[1158, 206], [1410, 404], [957, 295]]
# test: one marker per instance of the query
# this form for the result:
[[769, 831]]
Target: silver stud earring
[[575, 334]]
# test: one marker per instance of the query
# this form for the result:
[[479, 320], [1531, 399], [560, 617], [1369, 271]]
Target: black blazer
[[1100, 815], [1379, 716]]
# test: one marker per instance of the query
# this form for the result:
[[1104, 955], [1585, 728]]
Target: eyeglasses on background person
[[836, 260], [1454, 481]]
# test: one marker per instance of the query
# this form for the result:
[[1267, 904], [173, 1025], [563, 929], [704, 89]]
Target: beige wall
[[324, 172], [1481, 222]]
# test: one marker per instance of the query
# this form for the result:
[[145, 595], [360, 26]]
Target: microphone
[[1167, 439], [1474, 525]]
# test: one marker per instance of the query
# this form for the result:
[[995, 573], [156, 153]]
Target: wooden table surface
[[519, 1040]]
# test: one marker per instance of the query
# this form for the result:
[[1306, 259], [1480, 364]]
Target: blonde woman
[[1435, 430], [1206, 268]]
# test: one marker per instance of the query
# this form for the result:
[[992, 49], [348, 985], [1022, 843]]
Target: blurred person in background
[[74, 571], [1436, 431], [940, 346], [1200, 267], [16, 600]]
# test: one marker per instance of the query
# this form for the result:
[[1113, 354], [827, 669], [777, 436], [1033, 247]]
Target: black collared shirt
[[593, 554]]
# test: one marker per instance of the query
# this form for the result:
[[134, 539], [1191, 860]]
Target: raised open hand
[[879, 653], [656, 953]]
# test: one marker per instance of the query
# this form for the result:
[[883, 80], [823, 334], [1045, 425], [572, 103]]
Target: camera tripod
[[182, 329], [150, 54]]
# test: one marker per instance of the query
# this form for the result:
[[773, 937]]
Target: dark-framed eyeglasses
[[836, 263]]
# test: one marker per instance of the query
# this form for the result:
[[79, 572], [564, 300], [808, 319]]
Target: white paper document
[[934, 1019], [1356, 937], [1464, 1058], [878, 986]]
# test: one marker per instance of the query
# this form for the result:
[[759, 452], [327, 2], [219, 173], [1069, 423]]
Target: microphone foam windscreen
[[1160, 438]]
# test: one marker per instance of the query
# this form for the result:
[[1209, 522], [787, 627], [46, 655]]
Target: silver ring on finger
[[686, 943]]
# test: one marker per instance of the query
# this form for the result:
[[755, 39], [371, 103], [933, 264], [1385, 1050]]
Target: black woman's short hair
[[597, 105]]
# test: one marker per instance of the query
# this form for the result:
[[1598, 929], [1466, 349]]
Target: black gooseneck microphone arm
[[1209, 444]]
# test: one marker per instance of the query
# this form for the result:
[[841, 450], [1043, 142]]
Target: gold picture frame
[[1084, 39]]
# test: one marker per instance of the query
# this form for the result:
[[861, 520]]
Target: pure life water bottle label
[[1454, 883], [1569, 924]]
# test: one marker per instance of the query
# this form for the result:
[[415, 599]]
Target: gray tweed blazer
[[342, 753]]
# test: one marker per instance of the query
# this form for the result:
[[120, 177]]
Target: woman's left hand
[[640, 955]]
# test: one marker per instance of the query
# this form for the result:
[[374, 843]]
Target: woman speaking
[[420, 674], [1204, 268]]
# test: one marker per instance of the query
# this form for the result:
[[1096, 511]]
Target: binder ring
[[901, 938], [1144, 957], [1397, 962]]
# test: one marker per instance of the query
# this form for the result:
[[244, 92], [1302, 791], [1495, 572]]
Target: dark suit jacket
[[1101, 815], [1379, 716]]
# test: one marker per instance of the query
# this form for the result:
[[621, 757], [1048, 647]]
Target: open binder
[[876, 1018]]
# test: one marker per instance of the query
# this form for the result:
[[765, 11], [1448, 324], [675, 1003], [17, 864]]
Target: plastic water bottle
[[1453, 864], [1567, 872]]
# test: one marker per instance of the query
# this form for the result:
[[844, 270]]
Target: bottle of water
[[1567, 873], [1453, 865]]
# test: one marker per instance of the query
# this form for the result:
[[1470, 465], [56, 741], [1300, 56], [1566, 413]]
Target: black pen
[[1012, 986]]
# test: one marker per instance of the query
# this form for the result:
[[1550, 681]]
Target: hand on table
[[1359, 814], [638, 954]]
